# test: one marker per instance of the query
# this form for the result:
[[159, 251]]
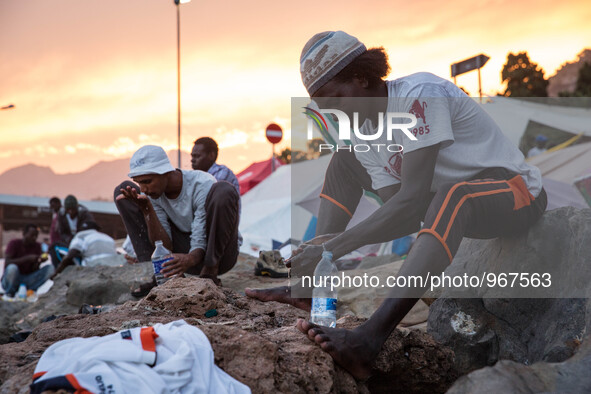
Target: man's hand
[[141, 200], [180, 264], [131, 260], [305, 258]]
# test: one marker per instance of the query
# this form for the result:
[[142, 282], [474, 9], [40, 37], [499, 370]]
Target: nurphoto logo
[[394, 121]]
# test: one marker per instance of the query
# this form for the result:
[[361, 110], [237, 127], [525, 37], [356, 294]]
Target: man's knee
[[123, 185], [224, 193], [11, 274]]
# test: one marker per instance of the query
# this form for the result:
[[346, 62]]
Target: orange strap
[[147, 336], [433, 233], [74, 382], [338, 204], [38, 375]]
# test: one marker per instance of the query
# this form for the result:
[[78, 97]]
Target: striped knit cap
[[325, 55]]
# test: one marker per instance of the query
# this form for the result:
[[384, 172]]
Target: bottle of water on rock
[[160, 256], [324, 300]]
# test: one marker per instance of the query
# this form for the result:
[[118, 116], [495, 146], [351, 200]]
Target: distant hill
[[95, 183]]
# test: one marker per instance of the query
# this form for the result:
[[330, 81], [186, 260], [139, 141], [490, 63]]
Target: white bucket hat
[[149, 159]]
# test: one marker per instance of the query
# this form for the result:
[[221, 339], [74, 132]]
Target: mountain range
[[95, 183]]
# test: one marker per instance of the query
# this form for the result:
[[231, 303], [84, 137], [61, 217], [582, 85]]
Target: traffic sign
[[274, 133], [468, 65]]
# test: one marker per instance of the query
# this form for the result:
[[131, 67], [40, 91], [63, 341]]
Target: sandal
[[144, 289]]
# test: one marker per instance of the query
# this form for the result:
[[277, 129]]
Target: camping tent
[[269, 210], [254, 174], [560, 169], [513, 116]]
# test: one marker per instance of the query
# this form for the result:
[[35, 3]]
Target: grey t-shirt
[[187, 211], [470, 140]]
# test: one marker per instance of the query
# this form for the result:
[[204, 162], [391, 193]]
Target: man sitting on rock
[[90, 248], [23, 258], [195, 216], [460, 176]]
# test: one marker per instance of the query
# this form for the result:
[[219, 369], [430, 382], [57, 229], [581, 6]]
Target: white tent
[[559, 171], [513, 115], [269, 210]]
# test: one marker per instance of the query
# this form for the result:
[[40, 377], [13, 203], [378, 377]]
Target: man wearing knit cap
[[195, 216], [457, 173]]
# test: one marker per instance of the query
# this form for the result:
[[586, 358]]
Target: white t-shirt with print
[[470, 140]]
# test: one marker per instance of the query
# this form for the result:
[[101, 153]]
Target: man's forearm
[[19, 261], [156, 231]]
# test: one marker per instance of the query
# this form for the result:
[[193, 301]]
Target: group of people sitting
[[75, 237]]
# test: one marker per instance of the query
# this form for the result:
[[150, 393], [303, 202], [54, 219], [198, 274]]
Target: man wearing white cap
[[458, 174], [195, 216]]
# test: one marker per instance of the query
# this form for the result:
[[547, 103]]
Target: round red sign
[[274, 133]]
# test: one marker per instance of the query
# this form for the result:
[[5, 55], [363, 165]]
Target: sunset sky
[[93, 80]]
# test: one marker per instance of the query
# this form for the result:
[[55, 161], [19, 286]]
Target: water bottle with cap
[[324, 299], [22, 292], [160, 256]]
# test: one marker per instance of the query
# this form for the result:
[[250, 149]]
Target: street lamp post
[[178, 71]]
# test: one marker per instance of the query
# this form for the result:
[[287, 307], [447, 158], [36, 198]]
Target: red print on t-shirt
[[394, 167]]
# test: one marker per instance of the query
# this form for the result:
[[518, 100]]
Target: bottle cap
[[327, 254]]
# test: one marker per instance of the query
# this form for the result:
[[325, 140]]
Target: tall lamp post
[[178, 71]]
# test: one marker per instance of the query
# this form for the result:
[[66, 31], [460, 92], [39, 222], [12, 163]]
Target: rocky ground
[[256, 343]]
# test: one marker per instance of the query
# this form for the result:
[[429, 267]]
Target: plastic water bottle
[[44, 250], [324, 300], [160, 256], [22, 292]]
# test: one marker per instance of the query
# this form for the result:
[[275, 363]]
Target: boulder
[[548, 326]]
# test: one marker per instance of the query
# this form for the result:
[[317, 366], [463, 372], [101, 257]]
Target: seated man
[[69, 221], [91, 248], [460, 176], [195, 216], [23, 258], [203, 157]]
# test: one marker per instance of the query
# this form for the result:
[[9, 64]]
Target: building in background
[[17, 211]]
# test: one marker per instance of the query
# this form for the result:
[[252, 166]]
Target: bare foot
[[351, 349], [280, 294]]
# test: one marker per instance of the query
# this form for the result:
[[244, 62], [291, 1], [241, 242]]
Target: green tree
[[583, 87], [285, 156], [523, 77]]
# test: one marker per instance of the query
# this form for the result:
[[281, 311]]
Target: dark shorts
[[494, 203]]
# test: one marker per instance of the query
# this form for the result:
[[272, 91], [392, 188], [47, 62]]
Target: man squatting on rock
[[195, 216], [463, 178]]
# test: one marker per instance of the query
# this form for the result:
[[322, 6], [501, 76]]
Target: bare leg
[[279, 294], [331, 218], [355, 350]]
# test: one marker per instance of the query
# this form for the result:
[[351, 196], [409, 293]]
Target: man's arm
[[155, 229], [68, 260], [401, 214], [24, 260]]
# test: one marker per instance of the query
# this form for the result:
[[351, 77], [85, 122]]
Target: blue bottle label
[[324, 306], [158, 264]]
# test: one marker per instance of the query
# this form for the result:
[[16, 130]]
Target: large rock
[[73, 287], [570, 376], [484, 330], [256, 343]]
